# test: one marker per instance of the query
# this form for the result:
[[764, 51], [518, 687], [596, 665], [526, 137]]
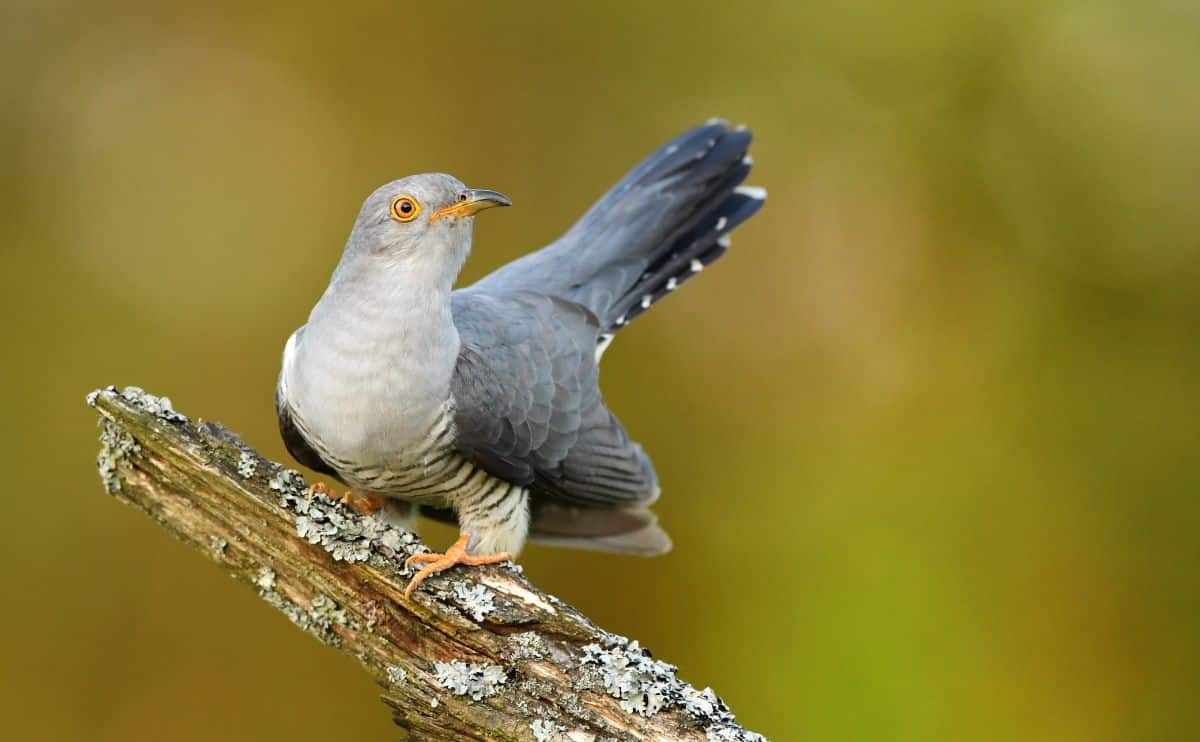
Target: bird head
[[422, 219]]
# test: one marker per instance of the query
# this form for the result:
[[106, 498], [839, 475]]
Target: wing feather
[[527, 401]]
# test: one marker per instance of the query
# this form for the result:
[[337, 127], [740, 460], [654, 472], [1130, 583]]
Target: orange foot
[[365, 504], [456, 554]]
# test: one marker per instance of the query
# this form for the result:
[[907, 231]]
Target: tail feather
[[679, 154], [690, 254], [628, 530], [647, 235], [632, 530]]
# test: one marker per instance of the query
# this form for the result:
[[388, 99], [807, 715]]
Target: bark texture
[[477, 654]]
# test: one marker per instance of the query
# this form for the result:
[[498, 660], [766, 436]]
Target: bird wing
[[527, 401]]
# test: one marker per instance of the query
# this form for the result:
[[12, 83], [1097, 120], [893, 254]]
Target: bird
[[481, 405]]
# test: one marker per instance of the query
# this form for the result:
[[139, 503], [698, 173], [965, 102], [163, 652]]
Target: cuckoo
[[482, 405]]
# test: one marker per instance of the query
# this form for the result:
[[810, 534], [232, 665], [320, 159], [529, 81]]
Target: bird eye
[[405, 208]]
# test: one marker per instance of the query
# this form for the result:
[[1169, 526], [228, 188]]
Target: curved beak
[[471, 202]]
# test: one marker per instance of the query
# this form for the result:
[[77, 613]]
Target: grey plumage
[[646, 229], [484, 402]]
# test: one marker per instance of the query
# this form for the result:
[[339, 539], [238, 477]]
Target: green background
[[928, 435]]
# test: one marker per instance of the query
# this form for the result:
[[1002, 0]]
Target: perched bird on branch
[[483, 404]]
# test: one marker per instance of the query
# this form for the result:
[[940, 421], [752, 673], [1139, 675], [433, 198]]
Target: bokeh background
[[928, 434]]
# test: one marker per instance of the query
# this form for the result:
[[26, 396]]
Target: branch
[[478, 654]]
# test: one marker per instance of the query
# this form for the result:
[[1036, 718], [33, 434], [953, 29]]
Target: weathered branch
[[476, 654]]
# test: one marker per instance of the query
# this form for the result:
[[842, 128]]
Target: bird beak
[[471, 202]]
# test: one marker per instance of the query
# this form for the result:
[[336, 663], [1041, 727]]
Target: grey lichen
[[117, 445], [644, 685], [477, 680], [347, 535], [565, 702], [265, 578], [474, 600], [324, 612], [527, 645], [396, 675], [218, 545], [319, 619], [158, 406], [247, 465], [701, 703], [547, 731], [286, 480], [628, 673], [731, 733], [117, 448]]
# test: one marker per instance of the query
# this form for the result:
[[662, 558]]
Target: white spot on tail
[[724, 241], [672, 284], [646, 301], [747, 160], [696, 266], [754, 192], [721, 223], [672, 149], [620, 320]]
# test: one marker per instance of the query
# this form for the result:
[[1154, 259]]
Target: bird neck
[[380, 286]]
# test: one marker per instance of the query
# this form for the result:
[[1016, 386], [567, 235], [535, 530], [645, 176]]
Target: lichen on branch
[[477, 654]]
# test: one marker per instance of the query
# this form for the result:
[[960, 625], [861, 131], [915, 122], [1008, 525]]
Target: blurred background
[[928, 434]]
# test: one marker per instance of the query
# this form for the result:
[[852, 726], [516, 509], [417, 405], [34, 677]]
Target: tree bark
[[477, 654]]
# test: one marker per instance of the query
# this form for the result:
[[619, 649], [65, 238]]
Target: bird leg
[[365, 504], [456, 554]]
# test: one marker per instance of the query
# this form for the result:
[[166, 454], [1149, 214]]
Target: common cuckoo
[[482, 404]]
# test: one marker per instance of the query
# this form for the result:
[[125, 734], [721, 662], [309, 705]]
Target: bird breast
[[370, 398]]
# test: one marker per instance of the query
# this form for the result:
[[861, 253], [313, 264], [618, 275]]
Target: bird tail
[[660, 225], [628, 530], [631, 530]]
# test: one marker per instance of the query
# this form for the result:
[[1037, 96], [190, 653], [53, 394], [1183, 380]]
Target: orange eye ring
[[405, 208]]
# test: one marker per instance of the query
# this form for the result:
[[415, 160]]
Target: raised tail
[[660, 225]]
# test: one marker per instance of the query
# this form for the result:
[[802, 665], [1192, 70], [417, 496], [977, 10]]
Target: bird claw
[[456, 554], [365, 504]]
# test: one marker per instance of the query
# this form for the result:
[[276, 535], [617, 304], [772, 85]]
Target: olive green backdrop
[[928, 435]]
